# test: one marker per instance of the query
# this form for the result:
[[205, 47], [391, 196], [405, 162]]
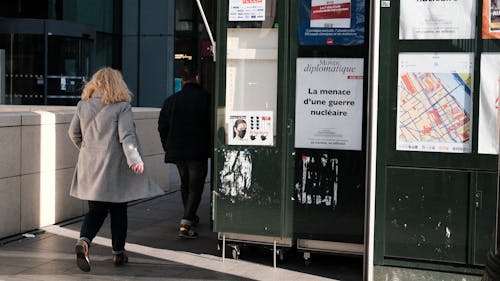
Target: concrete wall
[[37, 161]]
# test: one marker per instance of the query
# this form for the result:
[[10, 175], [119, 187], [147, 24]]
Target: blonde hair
[[110, 83]]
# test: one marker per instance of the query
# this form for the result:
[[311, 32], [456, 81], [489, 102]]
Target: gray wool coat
[[107, 146]]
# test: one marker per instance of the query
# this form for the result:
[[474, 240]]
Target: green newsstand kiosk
[[289, 146]]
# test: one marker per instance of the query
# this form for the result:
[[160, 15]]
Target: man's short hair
[[188, 73]]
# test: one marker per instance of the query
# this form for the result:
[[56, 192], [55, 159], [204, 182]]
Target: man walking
[[184, 127]]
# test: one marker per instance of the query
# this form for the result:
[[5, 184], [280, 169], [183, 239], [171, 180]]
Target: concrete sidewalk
[[156, 253]]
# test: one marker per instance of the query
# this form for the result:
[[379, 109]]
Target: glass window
[[68, 68], [251, 75], [24, 68]]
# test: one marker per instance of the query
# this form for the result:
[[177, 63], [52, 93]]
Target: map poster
[[329, 103], [331, 22], [437, 19], [247, 10], [250, 128], [491, 19], [434, 106], [488, 103]]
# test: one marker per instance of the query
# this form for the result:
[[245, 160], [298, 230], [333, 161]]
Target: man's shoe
[[82, 255], [186, 232], [119, 259]]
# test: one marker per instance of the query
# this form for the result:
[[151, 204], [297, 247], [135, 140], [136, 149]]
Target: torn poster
[[318, 182], [236, 175]]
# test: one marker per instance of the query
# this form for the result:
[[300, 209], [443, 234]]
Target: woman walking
[[109, 171]]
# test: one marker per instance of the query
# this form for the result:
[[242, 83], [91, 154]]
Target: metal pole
[[496, 242], [274, 252], [207, 27], [371, 140], [223, 247], [2, 76]]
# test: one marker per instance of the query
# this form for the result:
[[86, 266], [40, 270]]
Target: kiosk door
[[250, 197], [329, 64]]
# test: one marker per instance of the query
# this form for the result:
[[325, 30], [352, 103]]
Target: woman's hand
[[137, 168]]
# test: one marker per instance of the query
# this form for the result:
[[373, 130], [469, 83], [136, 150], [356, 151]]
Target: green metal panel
[[483, 197], [449, 179], [426, 213], [265, 209]]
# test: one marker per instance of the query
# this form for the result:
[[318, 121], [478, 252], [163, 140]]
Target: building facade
[[50, 48]]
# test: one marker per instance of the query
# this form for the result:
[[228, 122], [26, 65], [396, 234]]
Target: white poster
[[435, 102], [247, 10], [488, 103], [250, 128], [443, 19], [331, 14], [329, 103]]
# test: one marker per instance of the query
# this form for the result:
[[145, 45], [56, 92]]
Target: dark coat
[[185, 124]]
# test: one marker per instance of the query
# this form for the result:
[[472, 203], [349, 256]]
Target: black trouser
[[192, 174], [98, 211]]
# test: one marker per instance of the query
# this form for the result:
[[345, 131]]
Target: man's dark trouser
[[98, 211], [192, 174]]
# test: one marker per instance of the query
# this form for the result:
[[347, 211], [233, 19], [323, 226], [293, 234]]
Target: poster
[[488, 103], [437, 19], [247, 10], [317, 180], [236, 175], [491, 19], [331, 22], [330, 14], [329, 103], [434, 105], [250, 128]]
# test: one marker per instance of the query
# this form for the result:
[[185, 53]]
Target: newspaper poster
[[437, 19], [250, 128], [247, 10], [491, 19], [488, 103], [329, 103], [331, 14], [434, 105], [331, 22]]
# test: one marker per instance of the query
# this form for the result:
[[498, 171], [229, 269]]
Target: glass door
[[24, 68], [68, 69]]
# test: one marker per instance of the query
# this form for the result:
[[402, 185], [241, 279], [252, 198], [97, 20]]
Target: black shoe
[[186, 232], [119, 259], [82, 255]]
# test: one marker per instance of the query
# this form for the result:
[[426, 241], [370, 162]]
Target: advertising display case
[[437, 147]]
